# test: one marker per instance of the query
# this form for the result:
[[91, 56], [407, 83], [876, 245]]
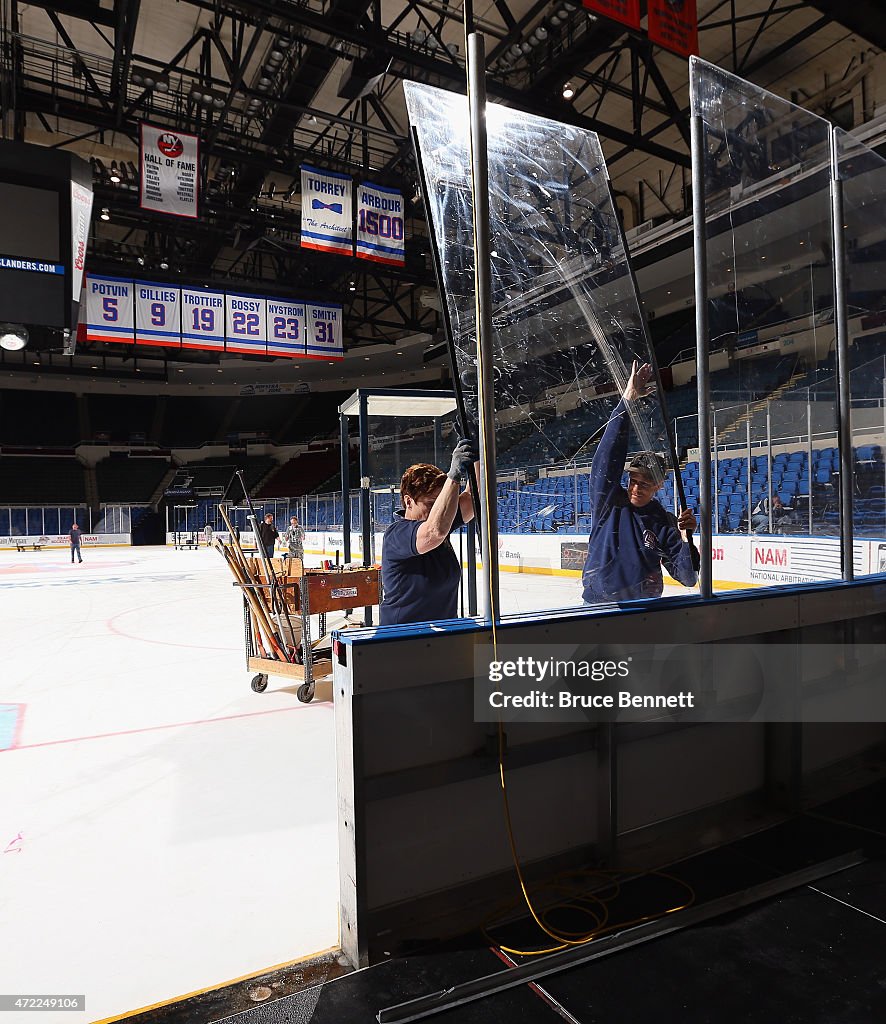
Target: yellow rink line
[[221, 984]]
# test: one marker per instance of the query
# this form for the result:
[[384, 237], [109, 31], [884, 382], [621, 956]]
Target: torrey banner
[[625, 11], [380, 224], [673, 24], [169, 165], [326, 211]]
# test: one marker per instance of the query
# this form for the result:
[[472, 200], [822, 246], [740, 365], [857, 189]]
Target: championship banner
[[81, 211], [625, 11], [286, 328], [157, 315], [109, 310], [324, 332], [203, 319], [673, 24], [169, 163], [326, 211], [246, 328], [380, 224]]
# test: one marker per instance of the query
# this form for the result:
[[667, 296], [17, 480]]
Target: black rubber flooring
[[815, 955]]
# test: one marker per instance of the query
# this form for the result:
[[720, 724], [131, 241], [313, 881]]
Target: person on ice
[[632, 535], [419, 569]]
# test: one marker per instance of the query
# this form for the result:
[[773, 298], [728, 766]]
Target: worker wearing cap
[[632, 535]]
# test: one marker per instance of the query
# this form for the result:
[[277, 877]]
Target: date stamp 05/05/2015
[[42, 1002]]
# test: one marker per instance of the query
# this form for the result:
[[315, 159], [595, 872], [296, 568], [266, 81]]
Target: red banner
[[673, 24], [625, 11]]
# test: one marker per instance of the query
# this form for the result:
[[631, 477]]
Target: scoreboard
[[46, 199]]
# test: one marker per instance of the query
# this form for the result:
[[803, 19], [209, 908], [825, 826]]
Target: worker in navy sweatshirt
[[632, 535], [420, 571]]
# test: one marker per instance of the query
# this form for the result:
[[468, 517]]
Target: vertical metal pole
[[809, 455], [471, 545], [702, 375], [747, 424], [365, 482], [769, 459], [345, 485], [844, 424], [716, 477], [476, 64], [438, 439]]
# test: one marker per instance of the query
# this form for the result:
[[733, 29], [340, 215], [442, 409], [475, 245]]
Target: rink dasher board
[[87, 540], [741, 559]]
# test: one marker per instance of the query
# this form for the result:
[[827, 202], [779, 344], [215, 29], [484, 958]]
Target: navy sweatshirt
[[628, 545], [417, 588]]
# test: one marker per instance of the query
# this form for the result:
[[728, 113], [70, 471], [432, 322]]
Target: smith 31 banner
[[109, 310], [157, 314], [169, 163], [324, 332], [286, 328], [625, 11], [326, 211], [380, 224], [673, 24], [203, 319], [246, 331]]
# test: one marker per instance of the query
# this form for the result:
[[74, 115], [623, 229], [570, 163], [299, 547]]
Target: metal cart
[[306, 592]]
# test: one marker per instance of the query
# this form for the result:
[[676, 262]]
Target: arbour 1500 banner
[[151, 313]]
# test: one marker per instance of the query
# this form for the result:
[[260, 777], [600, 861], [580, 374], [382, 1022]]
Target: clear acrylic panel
[[863, 176], [766, 173], [397, 442], [566, 318]]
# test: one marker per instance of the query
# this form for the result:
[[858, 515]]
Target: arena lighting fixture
[[13, 337], [115, 173], [352, 287], [568, 91], [105, 214], [164, 265]]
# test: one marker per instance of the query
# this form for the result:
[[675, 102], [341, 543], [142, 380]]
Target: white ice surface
[[162, 828]]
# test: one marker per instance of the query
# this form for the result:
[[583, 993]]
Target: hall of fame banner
[[169, 162], [380, 234], [326, 211]]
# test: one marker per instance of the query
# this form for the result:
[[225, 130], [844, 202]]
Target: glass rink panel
[[566, 322], [397, 442], [766, 170], [863, 176]]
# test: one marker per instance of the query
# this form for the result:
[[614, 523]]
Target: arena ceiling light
[[568, 91], [105, 214], [13, 337]]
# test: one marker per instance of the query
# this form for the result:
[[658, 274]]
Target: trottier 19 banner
[[150, 313]]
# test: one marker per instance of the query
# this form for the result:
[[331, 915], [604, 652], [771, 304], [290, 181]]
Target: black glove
[[462, 457]]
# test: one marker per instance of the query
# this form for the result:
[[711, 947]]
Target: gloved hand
[[462, 457]]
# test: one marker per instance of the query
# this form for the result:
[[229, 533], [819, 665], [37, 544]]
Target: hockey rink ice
[[163, 829]]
